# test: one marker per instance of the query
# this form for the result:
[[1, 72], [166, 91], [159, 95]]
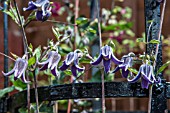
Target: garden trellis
[[160, 94]]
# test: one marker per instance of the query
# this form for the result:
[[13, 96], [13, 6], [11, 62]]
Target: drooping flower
[[72, 61], [127, 62], [42, 7], [19, 70], [147, 76], [106, 55], [55, 9], [51, 62]]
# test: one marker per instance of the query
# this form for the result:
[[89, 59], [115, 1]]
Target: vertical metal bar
[[5, 28], [152, 13], [5, 22], [95, 49]]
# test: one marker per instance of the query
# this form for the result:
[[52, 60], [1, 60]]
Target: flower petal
[[44, 67], [77, 66], [74, 70], [31, 6], [70, 58], [22, 66], [54, 72], [55, 60], [39, 15], [115, 60], [116, 69], [64, 66], [9, 73], [24, 79], [125, 73], [98, 60], [144, 83], [146, 73], [106, 64], [136, 78], [106, 51]]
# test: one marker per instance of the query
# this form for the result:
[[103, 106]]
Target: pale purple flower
[[19, 70], [146, 75], [51, 62], [42, 7], [127, 62], [106, 55], [72, 61]]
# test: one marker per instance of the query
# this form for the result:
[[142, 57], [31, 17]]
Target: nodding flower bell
[[147, 76], [127, 62], [51, 62], [19, 70], [106, 55], [42, 7], [72, 61]]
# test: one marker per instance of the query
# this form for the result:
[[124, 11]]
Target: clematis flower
[[127, 62], [18, 70], [147, 76], [51, 62], [42, 7], [106, 55], [72, 60]]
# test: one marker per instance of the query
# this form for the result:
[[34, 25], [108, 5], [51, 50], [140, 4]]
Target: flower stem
[[99, 27], [59, 22], [22, 28], [7, 56], [28, 94], [103, 93], [69, 101], [150, 98], [36, 92], [160, 31], [76, 16], [100, 42]]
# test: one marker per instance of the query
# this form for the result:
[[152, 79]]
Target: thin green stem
[[99, 27], [7, 56], [160, 31], [103, 93], [22, 28], [59, 22], [150, 98], [100, 42], [36, 92]]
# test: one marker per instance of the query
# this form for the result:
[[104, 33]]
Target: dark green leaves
[[162, 68], [31, 61], [154, 41], [6, 90], [81, 20]]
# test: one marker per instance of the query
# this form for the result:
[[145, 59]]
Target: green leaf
[[84, 60], [31, 61], [14, 55], [140, 40], [133, 70], [130, 32], [154, 41], [68, 72], [91, 30], [19, 85], [163, 67], [56, 33], [112, 44], [6, 90], [37, 52], [81, 20]]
